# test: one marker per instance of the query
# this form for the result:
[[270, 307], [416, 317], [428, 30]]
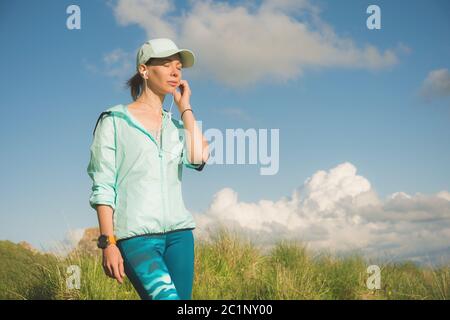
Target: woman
[[137, 156]]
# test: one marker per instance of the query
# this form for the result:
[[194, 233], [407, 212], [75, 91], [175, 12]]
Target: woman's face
[[164, 74]]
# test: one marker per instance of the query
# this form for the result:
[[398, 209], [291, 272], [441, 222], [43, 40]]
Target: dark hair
[[135, 83]]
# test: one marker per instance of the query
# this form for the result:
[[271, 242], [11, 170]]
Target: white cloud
[[240, 44], [147, 14], [65, 246], [117, 64], [444, 195], [337, 210], [436, 85]]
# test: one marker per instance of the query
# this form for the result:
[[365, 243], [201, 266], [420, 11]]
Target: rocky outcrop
[[88, 242]]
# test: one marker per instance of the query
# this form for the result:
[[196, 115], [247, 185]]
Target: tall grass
[[228, 267]]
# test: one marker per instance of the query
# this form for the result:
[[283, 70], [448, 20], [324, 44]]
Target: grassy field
[[226, 268]]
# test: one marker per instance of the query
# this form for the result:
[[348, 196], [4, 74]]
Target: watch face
[[102, 242]]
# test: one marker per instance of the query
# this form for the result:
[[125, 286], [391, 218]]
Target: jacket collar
[[121, 110]]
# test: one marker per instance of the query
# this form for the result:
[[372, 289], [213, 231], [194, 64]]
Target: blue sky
[[332, 110]]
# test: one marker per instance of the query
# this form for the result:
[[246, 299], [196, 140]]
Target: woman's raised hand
[[182, 98]]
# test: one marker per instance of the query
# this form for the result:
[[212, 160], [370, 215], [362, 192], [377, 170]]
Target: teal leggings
[[160, 266]]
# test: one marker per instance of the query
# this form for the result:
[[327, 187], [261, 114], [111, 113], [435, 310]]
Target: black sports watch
[[104, 241]]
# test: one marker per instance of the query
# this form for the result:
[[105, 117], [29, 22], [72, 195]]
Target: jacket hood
[[121, 110]]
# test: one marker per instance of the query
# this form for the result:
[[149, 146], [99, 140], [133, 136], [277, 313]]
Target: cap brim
[[187, 56]]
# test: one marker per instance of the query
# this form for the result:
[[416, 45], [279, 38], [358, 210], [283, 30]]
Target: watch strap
[[112, 240]]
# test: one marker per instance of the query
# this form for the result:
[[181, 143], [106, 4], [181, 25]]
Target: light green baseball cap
[[160, 48]]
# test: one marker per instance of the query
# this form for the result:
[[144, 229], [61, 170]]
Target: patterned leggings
[[160, 266]]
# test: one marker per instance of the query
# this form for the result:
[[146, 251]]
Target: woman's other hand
[[113, 263]]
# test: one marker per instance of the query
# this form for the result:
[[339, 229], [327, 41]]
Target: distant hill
[[22, 261]]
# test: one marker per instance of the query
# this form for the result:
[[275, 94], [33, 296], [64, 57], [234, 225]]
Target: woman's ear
[[143, 71]]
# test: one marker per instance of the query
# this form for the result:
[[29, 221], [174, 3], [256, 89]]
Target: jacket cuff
[[200, 167], [101, 199]]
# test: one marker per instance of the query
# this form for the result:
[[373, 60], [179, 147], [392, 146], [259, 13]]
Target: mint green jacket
[[137, 177]]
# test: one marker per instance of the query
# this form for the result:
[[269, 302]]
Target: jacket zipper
[[161, 163], [162, 193]]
